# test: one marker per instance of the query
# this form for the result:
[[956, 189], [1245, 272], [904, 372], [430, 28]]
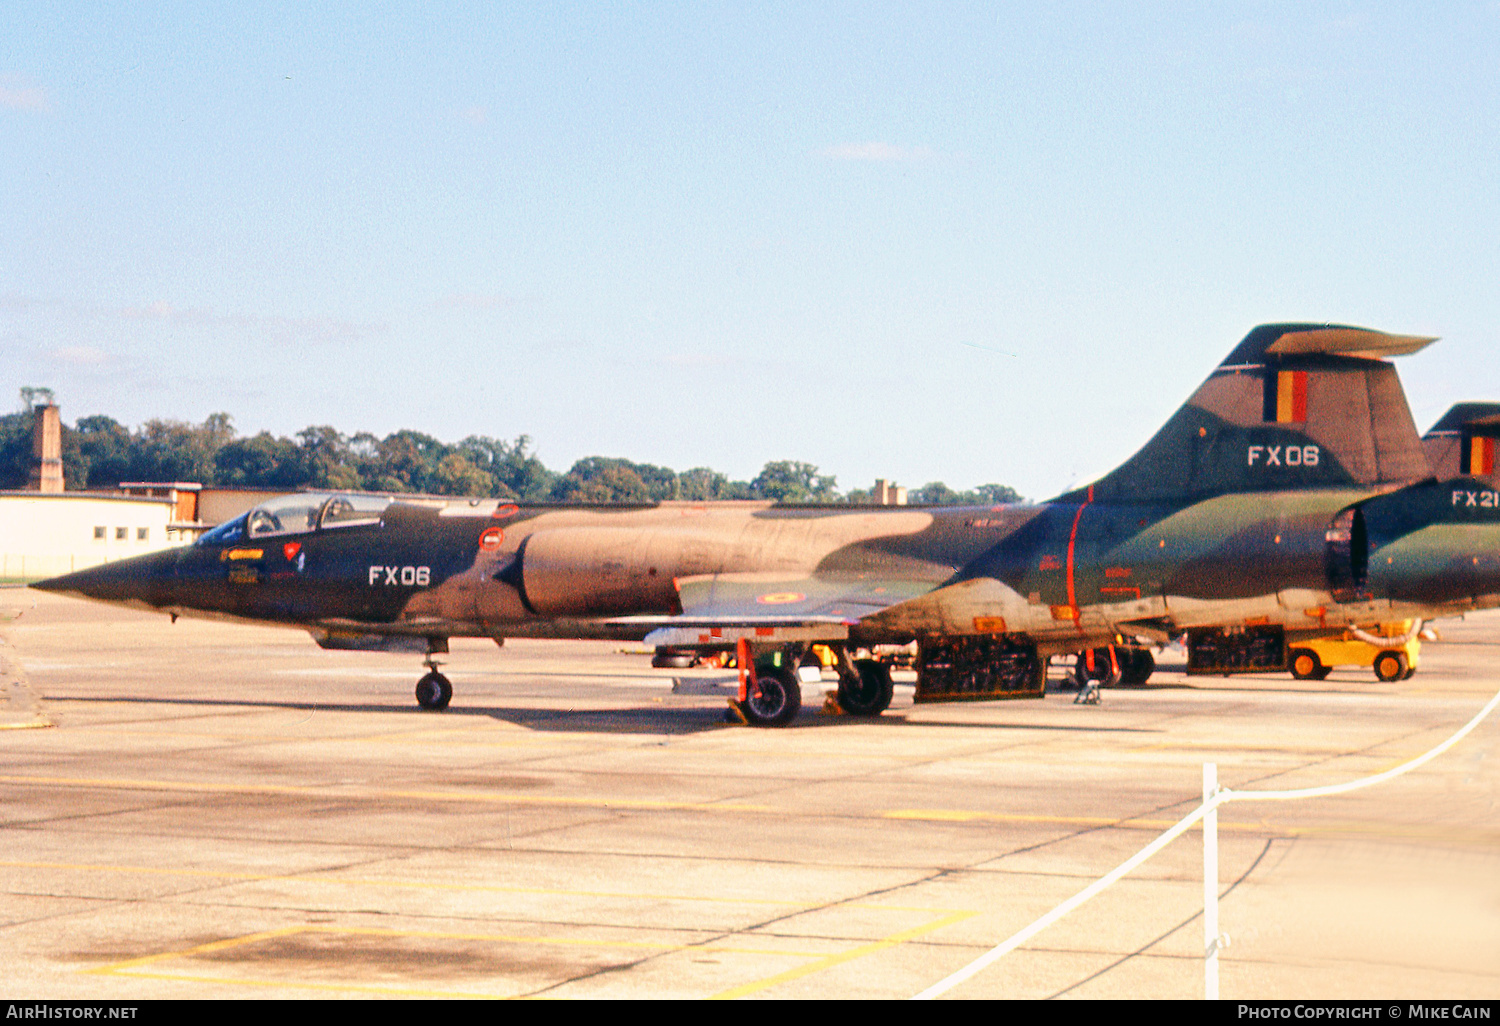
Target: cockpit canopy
[[298, 514]]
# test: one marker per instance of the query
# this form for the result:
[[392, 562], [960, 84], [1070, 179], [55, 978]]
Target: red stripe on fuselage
[[1072, 545]]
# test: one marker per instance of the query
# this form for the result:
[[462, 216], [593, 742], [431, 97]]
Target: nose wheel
[[434, 691]]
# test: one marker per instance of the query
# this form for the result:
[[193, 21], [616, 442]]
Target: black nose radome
[[142, 579]]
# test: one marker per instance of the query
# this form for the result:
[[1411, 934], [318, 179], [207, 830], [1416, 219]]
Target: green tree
[[703, 484], [265, 461], [106, 450], [934, 493], [327, 458], [997, 494], [15, 450], [602, 479], [455, 475], [410, 459], [791, 481], [174, 450], [514, 472]]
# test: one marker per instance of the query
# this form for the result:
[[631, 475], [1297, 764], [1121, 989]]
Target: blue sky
[[954, 242]]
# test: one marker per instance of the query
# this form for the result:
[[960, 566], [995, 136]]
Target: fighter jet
[[1250, 520], [1435, 545]]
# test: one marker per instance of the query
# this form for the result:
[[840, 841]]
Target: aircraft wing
[[723, 608]]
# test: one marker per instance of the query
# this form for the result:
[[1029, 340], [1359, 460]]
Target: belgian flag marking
[[1481, 456], [1291, 397]]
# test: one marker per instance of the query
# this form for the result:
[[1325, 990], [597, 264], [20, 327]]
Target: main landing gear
[[865, 687], [1108, 666], [773, 698], [771, 693], [434, 690]]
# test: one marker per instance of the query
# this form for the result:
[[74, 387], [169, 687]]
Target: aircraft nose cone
[[143, 579]]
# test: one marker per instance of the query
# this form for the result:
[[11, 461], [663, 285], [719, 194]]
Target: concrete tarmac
[[224, 811]]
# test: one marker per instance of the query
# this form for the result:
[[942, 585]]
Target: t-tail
[[1294, 406], [1463, 442]]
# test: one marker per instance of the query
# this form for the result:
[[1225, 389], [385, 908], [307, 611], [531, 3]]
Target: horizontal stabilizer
[[1358, 342], [1462, 415]]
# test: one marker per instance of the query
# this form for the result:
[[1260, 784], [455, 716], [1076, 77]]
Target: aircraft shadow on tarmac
[[655, 720]]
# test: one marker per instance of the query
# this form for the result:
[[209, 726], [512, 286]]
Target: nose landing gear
[[434, 690]]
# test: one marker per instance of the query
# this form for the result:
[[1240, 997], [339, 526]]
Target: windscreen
[[227, 532]]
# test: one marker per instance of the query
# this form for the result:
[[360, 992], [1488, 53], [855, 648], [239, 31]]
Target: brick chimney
[[46, 449]]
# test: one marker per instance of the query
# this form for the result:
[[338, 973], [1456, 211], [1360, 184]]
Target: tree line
[[98, 452]]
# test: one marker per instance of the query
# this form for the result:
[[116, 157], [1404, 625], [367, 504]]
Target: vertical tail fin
[[1293, 406], [1464, 441]]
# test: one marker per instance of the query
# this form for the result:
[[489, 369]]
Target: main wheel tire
[[775, 698], [1390, 666], [1305, 664], [675, 658], [1108, 674], [1136, 666], [434, 691], [871, 694]]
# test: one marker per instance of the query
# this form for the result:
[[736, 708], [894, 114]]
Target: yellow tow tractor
[[1390, 649]]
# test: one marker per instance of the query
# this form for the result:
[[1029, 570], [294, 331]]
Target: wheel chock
[[736, 713], [831, 706]]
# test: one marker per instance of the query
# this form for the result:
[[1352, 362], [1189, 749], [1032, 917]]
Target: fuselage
[[1062, 575]]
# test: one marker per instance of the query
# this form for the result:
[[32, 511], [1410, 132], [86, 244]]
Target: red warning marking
[[491, 539], [781, 598], [764, 632], [508, 510], [290, 550]]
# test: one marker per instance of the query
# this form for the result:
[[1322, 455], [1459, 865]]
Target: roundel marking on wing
[[781, 598], [491, 539]]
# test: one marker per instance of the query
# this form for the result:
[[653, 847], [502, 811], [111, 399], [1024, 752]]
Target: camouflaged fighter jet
[[1253, 518], [1435, 545]]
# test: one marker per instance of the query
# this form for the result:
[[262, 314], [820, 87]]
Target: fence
[[15, 566], [1213, 797]]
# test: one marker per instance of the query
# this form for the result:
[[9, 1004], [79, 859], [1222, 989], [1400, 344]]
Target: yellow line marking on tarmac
[[333, 792], [240, 981], [829, 961], [131, 967], [290, 735], [29, 725]]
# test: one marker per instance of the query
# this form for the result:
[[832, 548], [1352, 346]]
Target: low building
[[43, 534]]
